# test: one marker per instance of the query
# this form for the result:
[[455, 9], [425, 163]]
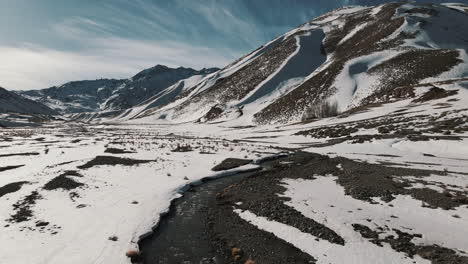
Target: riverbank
[[245, 218]]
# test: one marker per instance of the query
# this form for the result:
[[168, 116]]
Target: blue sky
[[49, 42]]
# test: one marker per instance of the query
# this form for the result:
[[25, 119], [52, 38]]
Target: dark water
[[181, 235]]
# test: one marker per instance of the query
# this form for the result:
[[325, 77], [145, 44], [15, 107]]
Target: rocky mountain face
[[337, 62], [13, 103], [17, 111], [111, 94], [341, 61], [77, 96], [148, 83]]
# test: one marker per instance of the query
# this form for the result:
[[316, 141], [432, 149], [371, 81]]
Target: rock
[[134, 255], [41, 223], [236, 251]]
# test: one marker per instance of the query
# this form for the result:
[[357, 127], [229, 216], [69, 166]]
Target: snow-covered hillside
[[344, 59], [353, 128], [16, 110], [347, 58], [13, 103], [111, 94], [73, 193]]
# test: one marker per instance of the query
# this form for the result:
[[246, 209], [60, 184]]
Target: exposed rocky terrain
[[111, 94], [13, 103], [353, 129], [16, 110], [348, 58], [341, 61]]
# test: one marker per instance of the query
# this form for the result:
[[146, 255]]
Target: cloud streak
[[101, 54], [73, 40], [34, 67]]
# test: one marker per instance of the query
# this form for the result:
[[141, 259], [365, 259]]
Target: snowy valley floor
[[72, 193]]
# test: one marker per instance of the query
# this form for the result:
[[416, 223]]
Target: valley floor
[[75, 193]]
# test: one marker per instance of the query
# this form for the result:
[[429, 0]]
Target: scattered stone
[[403, 243], [23, 208], [41, 224], [134, 255], [236, 251], [182, 148]]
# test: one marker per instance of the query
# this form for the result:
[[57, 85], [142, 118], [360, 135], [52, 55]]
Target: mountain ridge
[[11, 102], [345, 58], [111, 94]]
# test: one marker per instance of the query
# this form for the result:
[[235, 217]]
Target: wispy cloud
[[118, 38], [77, 27], [33, 67], [101, 55]]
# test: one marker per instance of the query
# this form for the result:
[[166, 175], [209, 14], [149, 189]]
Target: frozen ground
[[73, 193], [55, 210]]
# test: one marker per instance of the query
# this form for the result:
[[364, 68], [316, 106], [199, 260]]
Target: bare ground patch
[[10, 167], [402, 243], [261, 195], [11, 187], [112, 161], [20, 154], [435, 93], [118, 151], [231, 163], [63, 181], [23, 208]]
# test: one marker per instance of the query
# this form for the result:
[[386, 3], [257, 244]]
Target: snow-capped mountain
[[365, 160], [77, 96], [148, 83], [111, 94], [16, 110], [13, 103], [345, 59]]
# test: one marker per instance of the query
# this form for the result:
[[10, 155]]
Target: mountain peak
[[157, 69], [112, 94], [11, 102]]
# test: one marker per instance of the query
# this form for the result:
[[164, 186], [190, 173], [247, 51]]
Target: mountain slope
[[77, 96], [16, 111], [344, 58], [111, 94], [12, 103], [148, 83]]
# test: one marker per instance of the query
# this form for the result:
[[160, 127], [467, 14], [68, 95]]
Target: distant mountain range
[[11, 102], [344, 60], [340, 61], [111, 94]]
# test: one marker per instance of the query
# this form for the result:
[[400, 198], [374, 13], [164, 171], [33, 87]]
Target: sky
[[50, 42]]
